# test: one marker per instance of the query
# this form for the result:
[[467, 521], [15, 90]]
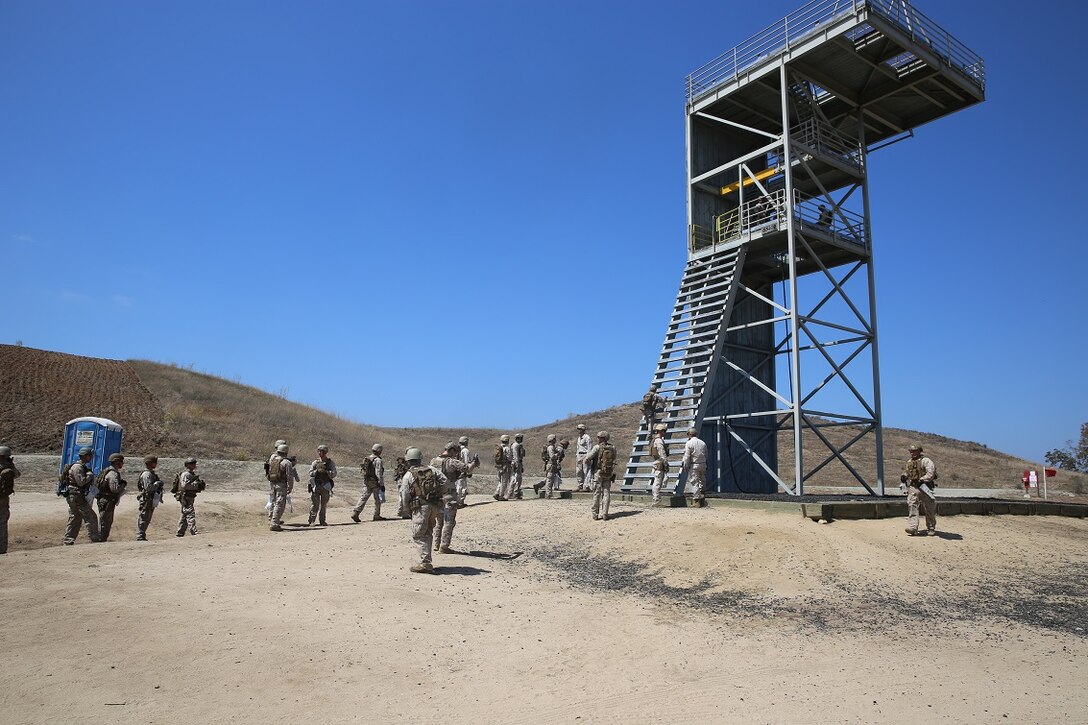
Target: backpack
[[544, 453], [430, 489], [275, 473], [400, 469], [62, 481], [606, 460], [176, 486], [500, 455], [367, 468], [648, 402]]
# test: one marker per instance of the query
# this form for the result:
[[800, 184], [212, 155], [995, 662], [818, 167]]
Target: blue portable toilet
[[103, 435]]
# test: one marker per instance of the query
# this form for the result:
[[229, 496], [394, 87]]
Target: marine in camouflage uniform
[[402, 494], [282, 486], [8, 474], [517, 466], [604, 475], [322, 480], [503, 468], [920, 470], [581, 468], [79, 479], [149, 497], [659, 451], [548, 454], [189, 485], [453, 468], [462, 483], [110, 490], [425, 509], [373, 483], [653, 405], [695, 453]]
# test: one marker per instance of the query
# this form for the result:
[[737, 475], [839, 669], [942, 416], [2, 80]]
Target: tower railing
[[767, 214], [814, 16], [827, 141]]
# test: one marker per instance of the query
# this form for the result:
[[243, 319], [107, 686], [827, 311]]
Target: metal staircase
[[693, 343]]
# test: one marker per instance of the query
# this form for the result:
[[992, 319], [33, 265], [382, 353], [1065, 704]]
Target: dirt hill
[[176, 412]]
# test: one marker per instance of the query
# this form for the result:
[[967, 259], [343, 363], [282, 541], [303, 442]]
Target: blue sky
[[472, 213]]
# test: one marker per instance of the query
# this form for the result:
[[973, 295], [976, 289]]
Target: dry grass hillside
[[176, 412]]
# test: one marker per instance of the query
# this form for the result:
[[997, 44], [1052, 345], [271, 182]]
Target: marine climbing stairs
[[693, 343]]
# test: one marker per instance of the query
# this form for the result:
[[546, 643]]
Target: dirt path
[[665, 615]]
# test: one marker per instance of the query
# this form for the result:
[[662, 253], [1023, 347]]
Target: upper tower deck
[[882, 57]]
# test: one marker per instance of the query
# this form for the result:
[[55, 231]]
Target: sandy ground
[[659, 615]]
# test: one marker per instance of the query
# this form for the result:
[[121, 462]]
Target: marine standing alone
[[920, 477]]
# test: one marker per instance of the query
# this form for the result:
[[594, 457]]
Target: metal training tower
[[771, 349]]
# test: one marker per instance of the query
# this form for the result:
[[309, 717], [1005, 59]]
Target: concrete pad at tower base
[[848, 507]]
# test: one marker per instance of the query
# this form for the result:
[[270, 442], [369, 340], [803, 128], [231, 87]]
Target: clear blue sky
[[472, 213]]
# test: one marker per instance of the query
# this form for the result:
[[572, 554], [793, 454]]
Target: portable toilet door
[[103, 435]]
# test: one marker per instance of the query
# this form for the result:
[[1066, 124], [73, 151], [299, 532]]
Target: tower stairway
[[693, 343]]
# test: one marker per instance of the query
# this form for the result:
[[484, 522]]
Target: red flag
[[1051, 472]]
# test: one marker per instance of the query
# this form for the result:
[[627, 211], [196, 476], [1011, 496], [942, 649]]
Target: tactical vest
[[915, 470], [275, 468], [606, 460], [428, 486], [321, 474], [368, 468]]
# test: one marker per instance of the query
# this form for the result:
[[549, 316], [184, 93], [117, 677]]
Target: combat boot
[[422, 569], [273, 527], [355, 518], [445, 550]]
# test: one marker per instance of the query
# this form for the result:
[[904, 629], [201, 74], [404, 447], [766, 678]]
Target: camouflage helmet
[[914, 448], [661, 427], [5, 452], [86, 451], [282, 449], [116, 457], [376, 448], [189, 460], [519, 436], [603, 434], [279, 443], [504, 438], [451, 446], [151, 459], [692, 430], [551, 437], [323, 448], [413, 454], [463, 440], [580, 426]]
